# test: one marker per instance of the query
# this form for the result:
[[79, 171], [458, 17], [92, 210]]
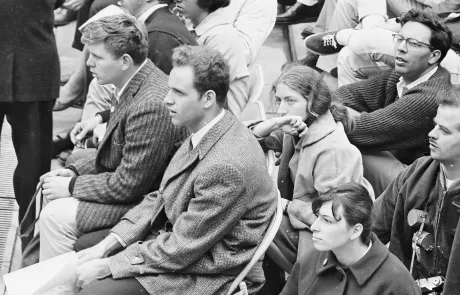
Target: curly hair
[[356, 204], [122, 34], [211, 70], [441, 36], [309, 83]]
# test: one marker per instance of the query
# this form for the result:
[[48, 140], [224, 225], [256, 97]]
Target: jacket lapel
[[126, 99], [184, 157]]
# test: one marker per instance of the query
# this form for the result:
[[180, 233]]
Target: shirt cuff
[[72, 184], [119, 239]]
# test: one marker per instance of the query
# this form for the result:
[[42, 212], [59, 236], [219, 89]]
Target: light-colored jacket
[[324, 159], [197, 232]]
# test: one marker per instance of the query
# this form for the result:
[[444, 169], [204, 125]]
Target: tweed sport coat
[[138, 144], [197, 232]]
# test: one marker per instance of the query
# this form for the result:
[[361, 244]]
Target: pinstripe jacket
[[197, 232], [138, 144]]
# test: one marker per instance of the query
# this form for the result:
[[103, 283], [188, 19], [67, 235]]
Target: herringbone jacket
[[197, 232], [139, 142]]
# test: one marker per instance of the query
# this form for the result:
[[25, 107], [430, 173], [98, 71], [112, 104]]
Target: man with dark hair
[[394, 111], [198, 231], [96, 191], [419, 212]]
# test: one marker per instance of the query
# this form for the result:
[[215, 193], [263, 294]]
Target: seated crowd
[[175, 195]]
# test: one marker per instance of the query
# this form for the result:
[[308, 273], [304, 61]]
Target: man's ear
[[126, 62], [209, 98], [435, 56], [356, 231]]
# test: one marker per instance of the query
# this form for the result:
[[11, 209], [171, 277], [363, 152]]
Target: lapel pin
[[325, 262]]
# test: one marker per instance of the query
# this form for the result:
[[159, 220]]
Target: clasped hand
[[56, 184], [91, 265], [292, 125]]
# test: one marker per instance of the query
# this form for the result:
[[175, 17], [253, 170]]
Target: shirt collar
[[144, 16], [214, 19], [364, 268], [424, 78], [119, 93], [197, 136]]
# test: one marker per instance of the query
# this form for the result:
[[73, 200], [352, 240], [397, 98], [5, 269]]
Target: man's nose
[[402, 47], [89, 61], [167, 100]]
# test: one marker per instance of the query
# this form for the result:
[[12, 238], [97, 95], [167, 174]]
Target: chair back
[[266, 240]]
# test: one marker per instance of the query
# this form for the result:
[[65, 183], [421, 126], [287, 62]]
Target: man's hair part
[[441, 36], [121, 34], [356, 204], [210, 69]]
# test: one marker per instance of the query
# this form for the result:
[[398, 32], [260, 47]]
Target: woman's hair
[[309, 83], [212, 5], [356, 204]]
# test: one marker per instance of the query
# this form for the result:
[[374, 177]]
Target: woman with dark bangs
[[311, 164], [349, 258]]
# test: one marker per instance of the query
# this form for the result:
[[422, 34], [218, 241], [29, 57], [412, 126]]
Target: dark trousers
[[32, 129], [108, 286]]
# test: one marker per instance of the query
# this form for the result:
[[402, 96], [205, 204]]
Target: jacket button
[[325, 262]]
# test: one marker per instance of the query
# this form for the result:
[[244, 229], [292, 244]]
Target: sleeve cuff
[[72, 184], [73, 169], [105, 115], [119, 239]]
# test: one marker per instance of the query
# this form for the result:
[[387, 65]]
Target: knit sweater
[[139, 143], [388, 122]]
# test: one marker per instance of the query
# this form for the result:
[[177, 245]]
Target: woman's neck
[[350, 253], [197, 20]]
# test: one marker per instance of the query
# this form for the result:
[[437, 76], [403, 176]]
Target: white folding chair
[[267, 239]]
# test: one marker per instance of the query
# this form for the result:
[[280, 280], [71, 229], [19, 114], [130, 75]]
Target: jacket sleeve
[[218, 204], [148, 140], [384, 207]]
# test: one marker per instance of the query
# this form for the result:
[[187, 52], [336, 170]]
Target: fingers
[[75, 133]]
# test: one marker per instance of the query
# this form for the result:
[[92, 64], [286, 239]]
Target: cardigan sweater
[[388, 122], [377, 272], [417, 187]]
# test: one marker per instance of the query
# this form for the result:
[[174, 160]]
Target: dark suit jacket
[[166, 32], [131, 159], [207, 219], [28, 55]]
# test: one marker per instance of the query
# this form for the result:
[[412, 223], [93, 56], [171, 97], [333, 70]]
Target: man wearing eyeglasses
[[393, 112]]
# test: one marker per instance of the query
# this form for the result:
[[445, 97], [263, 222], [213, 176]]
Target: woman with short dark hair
[[349, 258]]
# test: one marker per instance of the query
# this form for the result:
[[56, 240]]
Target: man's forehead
[[448, 116], [181, 77], [417, 31]]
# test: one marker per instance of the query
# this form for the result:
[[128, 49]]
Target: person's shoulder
[[394, 274]]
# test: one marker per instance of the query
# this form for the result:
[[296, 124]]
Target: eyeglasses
[[411, 42]]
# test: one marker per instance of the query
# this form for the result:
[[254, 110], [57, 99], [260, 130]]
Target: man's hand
[[100, 250], [74, 5], [88, 272], [300, 214], [84, 129], [56, 187], [353, 114], [58, 172]]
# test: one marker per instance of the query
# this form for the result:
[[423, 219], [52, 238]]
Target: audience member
[[393, 111], [213, 29], [198, 231], [29, 84], [96, 191], [311, 165], [431, 186], [349, 259]]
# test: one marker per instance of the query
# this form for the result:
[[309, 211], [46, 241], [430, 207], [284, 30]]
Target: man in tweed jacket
[[198, 231], [96, 191], [395, 111]]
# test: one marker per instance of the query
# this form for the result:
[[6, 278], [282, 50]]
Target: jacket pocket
[[6, 77]]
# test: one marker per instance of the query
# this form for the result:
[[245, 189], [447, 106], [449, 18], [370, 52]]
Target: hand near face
[[74, 5], [292, 125]]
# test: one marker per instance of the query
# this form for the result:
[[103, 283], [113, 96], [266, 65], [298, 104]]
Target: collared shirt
[[197, 136], [401, 84], [144, 16], [119, 93]]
